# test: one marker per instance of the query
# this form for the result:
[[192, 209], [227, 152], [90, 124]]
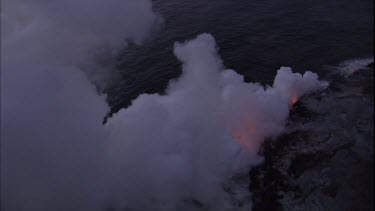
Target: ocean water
[[255, 38]]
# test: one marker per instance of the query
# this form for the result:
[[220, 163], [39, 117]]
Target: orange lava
[[294, 100]]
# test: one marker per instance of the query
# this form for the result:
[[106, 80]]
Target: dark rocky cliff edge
[[325, 159]]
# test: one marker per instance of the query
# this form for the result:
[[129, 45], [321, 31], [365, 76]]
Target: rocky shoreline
[[325, 159]]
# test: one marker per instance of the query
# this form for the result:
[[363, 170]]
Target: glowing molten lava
[[294, 100]]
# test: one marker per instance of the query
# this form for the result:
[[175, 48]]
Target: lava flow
[[294, 100]]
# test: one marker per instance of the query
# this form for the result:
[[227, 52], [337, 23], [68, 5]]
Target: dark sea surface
[[255, 38]]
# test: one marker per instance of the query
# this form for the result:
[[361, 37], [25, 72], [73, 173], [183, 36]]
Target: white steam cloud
[[83, 33], [207, 127], [161, 153], [54, 146]]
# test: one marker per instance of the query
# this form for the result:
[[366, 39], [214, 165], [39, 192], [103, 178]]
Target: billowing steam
[[53, 144], [161, 153], [82, 33], [352, 66], [206, 128]]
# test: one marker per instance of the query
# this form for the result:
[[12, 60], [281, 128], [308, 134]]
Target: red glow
[[294, 100], [244, 136], [355, 70], [237, 137]]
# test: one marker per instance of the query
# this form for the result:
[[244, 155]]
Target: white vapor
[[208, 127], [83, 33], [54, 146], [161, 153]]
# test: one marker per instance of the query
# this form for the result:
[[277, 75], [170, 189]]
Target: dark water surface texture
[[255, 38]]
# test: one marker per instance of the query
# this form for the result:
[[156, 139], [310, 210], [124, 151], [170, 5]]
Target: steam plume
[[53, 149], [161, 153], [208, 127]]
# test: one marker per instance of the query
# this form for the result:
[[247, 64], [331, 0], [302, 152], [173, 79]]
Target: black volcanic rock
[[325, 159]]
